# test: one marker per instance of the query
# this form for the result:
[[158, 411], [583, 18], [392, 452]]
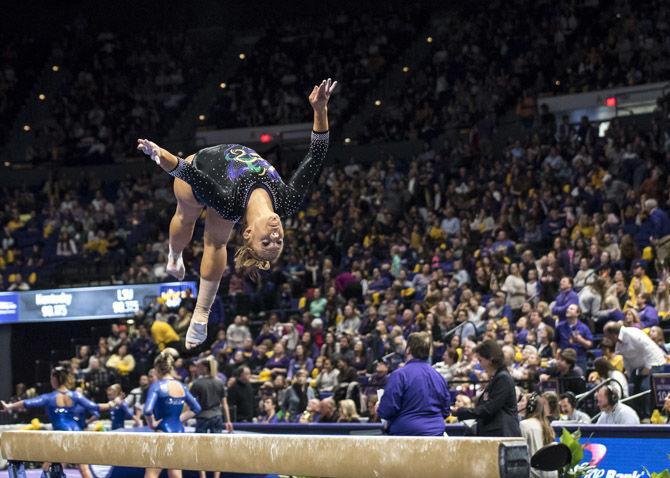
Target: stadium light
[[222, 85], [378, 102], [242, 56], [429, 39], [405, 69], [26, 127], [347, 140], [202, 117], [42, 97], [55, 68]]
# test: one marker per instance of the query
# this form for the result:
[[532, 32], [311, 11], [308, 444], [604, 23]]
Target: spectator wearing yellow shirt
[[436, 233], [15, 222], [608, 348], [640, 283], [164, 335], [583, 228], [416, 241], [122, 361], [98, 244]]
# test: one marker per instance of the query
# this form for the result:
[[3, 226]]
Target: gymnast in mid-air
[[236, 184]]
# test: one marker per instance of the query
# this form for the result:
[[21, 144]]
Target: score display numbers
[[88, 303]]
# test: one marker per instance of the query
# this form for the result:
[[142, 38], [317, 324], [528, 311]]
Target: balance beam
[[305, 455]]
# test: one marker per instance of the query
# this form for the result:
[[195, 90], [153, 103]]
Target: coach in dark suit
[[496, 412]]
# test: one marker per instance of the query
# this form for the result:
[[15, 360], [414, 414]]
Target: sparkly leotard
[[166, 408], [222, 177], [63, 418]]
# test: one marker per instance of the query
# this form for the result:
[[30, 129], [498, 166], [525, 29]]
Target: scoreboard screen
[[88, 303]]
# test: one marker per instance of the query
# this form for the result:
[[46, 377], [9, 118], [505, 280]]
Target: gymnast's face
[[265, 235]]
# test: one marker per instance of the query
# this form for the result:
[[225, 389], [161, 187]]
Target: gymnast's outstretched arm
[[160, 156], [310, 167]]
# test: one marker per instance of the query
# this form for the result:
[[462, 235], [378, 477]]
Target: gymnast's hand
[[4, 407], [151, 149], [320, 94]]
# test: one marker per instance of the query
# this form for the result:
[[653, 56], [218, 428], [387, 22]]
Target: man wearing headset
[[612, 411], [569, 412]]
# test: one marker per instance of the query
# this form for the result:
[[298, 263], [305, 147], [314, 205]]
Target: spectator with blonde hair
[[347, 412]]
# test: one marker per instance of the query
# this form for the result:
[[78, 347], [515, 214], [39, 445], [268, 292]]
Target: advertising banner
[[626, 457]]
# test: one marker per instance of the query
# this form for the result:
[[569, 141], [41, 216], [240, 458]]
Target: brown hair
[[552, 402], [538, 412], [603, 366], [164, 363], [247, 262], [490, 350], [419, 344], [63, 377]]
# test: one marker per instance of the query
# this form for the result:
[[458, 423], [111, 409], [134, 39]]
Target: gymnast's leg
[[174, 473], [85, 471], [152, 472], [181, 227], [212, 267]]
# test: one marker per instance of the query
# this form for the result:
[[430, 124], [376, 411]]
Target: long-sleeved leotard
[[222, 177], [81, 414], [63, 417], [119, 414], [166, 408]]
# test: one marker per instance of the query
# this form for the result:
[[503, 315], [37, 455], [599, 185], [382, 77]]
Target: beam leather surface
[[306, 455]]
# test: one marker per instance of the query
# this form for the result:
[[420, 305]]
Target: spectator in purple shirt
[[656, 226], [646, 312], [416, 399], [572, 333], [279, 363], [566, 297]]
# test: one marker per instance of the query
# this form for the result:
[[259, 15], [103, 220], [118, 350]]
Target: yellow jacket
[[124, 365], [647, 286], [163, 334]]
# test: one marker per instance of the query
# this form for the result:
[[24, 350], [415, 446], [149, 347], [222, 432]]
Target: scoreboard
[[88, 303]]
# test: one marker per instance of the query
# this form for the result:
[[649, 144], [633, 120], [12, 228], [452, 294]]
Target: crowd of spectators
[[538, 246], [356, 49], [82, 229], [539, 261], [18, 59], [484, 61], [116, 87]]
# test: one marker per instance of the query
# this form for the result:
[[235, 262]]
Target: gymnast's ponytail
[[248, 263], [63, 376], [211, 366], [164, 363]]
